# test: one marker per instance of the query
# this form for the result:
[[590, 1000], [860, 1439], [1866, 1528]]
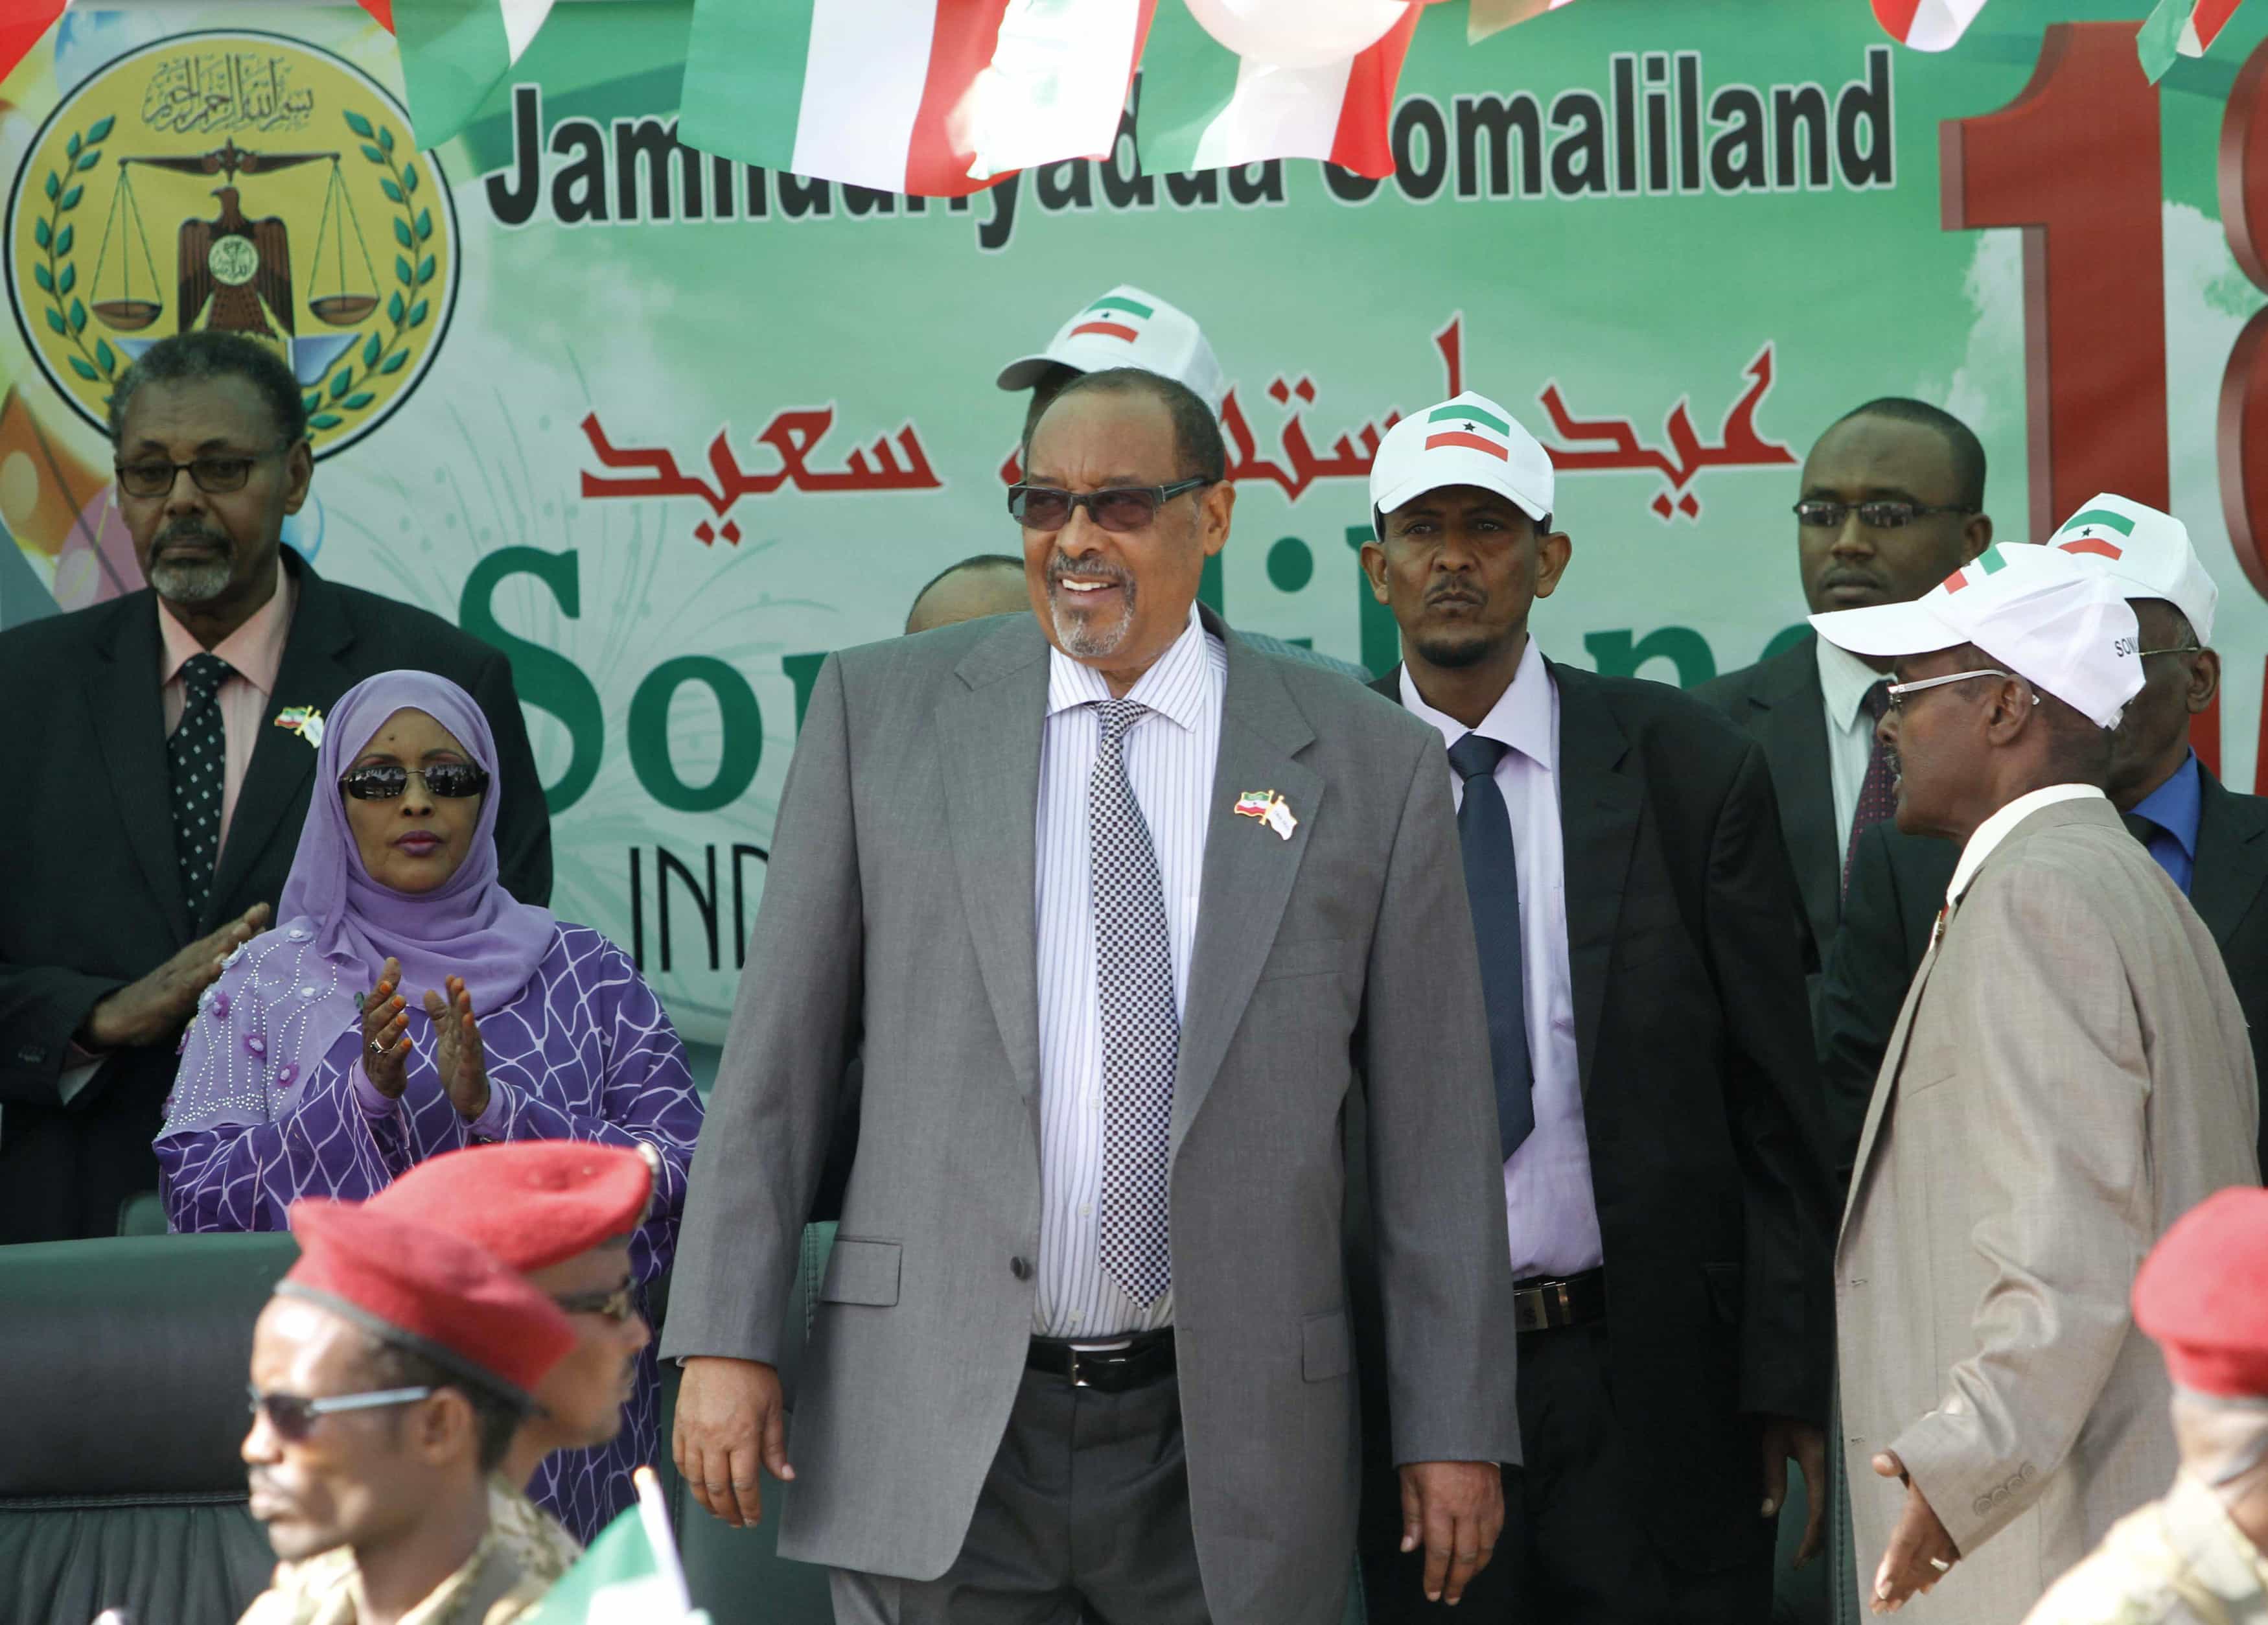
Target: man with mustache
[[151, 828], [1892, 502], [389, 1373], [1116, 908], [1641, 958]]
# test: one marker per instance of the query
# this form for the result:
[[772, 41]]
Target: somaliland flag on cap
[[1469, 440], [1126, 326], [2146, 553]]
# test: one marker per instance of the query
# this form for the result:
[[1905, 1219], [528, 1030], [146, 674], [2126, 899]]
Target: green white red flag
[[454, 53], [2180, 28], [1926, 25], [1466, 425], [936, 98]]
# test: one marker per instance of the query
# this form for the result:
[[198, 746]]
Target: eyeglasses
[[293, 1415], [1880, 515], [382, 782], [617, 1304], [215, 474], [1897, 691], [2187, 648], [1118, 508]]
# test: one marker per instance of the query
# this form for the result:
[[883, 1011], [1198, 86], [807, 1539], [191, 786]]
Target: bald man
[[989, 584]]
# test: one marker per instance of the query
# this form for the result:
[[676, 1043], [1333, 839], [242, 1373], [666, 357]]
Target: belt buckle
[[1078, 1381], [1567, 1303]]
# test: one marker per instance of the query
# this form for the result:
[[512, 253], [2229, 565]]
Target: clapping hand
[[385, 1030], [456, 1049], [151, 1010]]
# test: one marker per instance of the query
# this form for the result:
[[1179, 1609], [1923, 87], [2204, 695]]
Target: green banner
[[667, 429]]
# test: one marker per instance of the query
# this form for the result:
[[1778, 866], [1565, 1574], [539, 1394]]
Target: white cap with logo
[[2047, 616], [1469, 440], [1126, 327], [2146, 553]]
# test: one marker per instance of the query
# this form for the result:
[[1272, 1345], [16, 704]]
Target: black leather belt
[[1542, 1303], [1109, 1367]]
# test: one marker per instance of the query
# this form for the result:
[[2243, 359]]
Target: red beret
[[533, 1203], [2203, 1294], [427, 1290]]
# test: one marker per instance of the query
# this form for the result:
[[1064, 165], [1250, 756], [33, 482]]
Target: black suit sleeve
[[524, 822], [1866, 983], [1755, 943], [41, 1008]]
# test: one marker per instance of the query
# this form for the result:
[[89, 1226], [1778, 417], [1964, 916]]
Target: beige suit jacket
[[2070, 1074]]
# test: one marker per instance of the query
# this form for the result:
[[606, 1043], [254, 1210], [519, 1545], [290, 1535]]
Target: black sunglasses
[[382, 782], [617, 1304], [1883, 515], [1118, 508], [293, 1415]]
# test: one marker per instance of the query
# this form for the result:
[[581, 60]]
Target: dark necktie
[[1492, 884], [2158, 841], [1141, 1026], [1878, 792], [196, 763]]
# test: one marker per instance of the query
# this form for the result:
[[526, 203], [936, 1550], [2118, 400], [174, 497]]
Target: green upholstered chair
[[123, 1388]]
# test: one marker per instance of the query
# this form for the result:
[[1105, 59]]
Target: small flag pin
[[1270, 808], [304, 721]]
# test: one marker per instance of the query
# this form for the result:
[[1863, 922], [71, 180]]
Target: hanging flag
[[934, 97], [1926, 25], [630, 1573], [1205, 105], [454, 53], [2180, 28], [22, 25]]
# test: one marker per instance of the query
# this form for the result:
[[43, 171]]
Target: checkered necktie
[[1878, 792], [1141, 1028], [195, 760]]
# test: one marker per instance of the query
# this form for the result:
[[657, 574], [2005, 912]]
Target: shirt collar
[[2177, 805], [1176, 687], [1523, 717], [254, 651], [1995, 830], [1843, 680]]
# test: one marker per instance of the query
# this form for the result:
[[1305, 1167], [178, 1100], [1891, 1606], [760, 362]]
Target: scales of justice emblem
[[203, 139]]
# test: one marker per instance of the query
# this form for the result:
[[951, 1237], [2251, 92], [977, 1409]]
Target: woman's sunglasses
[[382, 783], [293, 1415]]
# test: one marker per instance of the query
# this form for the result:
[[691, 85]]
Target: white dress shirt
[[1170, 757], [1548, 1202], [1988, 835], [1843, 680]]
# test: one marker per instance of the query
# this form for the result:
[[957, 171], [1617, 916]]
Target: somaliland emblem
[[1465, 425], [1112, 316], [324, 234], [2094, 530]]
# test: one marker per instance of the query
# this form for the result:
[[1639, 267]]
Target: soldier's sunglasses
[[293, 1415], [1118, 508], [382, 782], [617, 1304]]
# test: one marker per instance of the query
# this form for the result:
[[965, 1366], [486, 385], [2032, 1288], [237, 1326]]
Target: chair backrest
[[124, 1394]]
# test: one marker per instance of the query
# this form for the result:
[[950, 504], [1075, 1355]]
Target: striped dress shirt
[[1170, 755]]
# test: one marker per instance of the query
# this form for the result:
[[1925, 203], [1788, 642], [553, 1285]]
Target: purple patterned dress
[[584, 1052]]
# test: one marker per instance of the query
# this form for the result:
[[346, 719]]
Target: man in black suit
[[1642, 964], [2211, 841], [1893, 502], [155, 814]]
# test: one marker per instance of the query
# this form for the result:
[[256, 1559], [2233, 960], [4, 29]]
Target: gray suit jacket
[[897, 916], [2070, 1074]]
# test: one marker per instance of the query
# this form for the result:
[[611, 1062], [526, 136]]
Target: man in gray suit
[[1116, 908]]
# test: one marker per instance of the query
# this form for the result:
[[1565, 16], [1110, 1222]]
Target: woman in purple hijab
[[405, 1005]]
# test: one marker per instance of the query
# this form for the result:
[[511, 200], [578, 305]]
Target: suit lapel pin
[[1270, 808], [304, 721]]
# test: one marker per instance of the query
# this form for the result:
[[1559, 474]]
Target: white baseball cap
[[2046, 615], [1469, 440], [2146, 553], [1126, 327]]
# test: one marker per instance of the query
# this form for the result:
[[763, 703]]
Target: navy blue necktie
[[1492, 884]]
